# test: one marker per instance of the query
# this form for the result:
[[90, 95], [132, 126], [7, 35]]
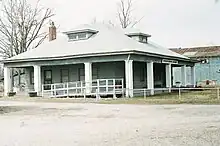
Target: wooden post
[[114, 94], [106, 86], [113, 85], [42, 91], [97, 95], [145, 94], [218, 93], [85, 93], [51, 89], [179, 93], [55, 94], [67, 89], [98, 85], [122, 87], [81, 87]]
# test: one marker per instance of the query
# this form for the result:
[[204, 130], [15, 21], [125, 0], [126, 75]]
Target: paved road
[[56, 124]]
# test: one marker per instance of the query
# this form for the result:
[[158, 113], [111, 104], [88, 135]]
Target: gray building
[[97, 58]]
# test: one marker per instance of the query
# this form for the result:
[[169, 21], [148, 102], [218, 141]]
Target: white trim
[[168, 76], [150, 77], [7, 81], [88, 76], [129, 77], [37, 79]]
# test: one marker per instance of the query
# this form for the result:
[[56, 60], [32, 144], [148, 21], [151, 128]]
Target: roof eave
[[97, 54]]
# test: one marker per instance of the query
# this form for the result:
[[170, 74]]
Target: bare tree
[[125, 10], [21, 27]]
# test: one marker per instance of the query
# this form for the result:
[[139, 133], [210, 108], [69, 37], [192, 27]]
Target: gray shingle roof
[[108, 39]]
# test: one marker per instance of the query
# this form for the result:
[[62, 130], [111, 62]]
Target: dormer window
[[77, 36], [72, 36], [141, 37], [80, 34]]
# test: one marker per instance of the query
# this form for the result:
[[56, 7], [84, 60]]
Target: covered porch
[[108, 75]]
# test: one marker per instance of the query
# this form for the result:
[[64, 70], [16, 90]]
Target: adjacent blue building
[[207, 68]]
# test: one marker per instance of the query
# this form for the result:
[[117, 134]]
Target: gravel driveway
[[63, 124]]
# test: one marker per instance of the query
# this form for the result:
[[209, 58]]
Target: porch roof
[[107, 40]]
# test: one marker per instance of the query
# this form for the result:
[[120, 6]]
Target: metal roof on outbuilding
[[199, 52]]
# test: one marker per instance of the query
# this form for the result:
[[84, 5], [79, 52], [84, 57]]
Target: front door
[[47, 78]]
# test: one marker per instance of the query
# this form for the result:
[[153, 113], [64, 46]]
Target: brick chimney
[[52, 32]]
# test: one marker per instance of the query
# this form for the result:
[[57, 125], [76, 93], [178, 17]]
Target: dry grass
[[161, 101], [189, 97]]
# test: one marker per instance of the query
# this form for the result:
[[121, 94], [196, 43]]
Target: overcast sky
[[172, 23]]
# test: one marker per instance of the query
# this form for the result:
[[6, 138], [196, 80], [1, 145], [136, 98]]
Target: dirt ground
[[56, 124]]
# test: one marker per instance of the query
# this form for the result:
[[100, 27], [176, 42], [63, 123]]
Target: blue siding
[[177, 75], [208, 71]]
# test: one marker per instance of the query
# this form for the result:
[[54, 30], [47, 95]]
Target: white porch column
[[27, 79], [88, 76], [168, 77], [150, 77], [183, 75], [37, 79], [7, 81], [129, 78], [193, 76]]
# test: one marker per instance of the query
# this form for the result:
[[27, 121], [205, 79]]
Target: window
[[72, 36], [77, 36], [64, 75], [48, 74], [81, 35], [140, 38], [144, 39], [81, 74], [47, 79]]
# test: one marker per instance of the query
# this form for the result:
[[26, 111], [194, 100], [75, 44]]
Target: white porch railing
[[81, 88]]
